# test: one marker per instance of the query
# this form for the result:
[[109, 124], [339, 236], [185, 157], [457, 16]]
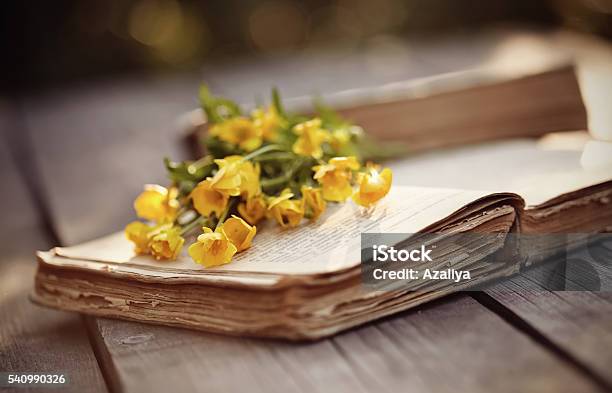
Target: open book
[[306, 282], [303, 283]]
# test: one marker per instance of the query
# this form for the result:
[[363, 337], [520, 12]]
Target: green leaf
[[220, 149], [217, 109], [189, 171], [278, 104]]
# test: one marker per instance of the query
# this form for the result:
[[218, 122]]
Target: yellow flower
[[227, 179], [138, 233], [253, 210], [268, 122], [314, 202], [207, 200], [249, 175], [335, 177], [212, 249], [373, 186], [157, 203], [165, 242], [286, 211], [339, 139], [310, 137], [237, 176], [349, 162], [238, 232], [238, 131]]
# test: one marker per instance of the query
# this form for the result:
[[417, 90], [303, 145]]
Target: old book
[[482, 104], [307, 282]]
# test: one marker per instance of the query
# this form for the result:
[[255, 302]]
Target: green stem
[[262, 150], [229, 207], [206, 160], [274, 182], [198, 222], [277, 181], [201, 163], [275, 156], [182, 210]]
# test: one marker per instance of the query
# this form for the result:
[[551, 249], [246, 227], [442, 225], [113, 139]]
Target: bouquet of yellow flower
[[269, 164]]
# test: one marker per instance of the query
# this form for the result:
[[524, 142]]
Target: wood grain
[[579, 322], [32, 338], [437, 348]]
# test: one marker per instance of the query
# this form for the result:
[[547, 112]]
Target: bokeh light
[[175, 34], [63, 41]]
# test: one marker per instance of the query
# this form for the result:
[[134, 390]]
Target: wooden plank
[[452, 345], [32, 338], [207, 363], [578, 322], [437, 348]]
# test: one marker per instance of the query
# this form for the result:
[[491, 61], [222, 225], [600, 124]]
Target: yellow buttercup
[[239, 232], [268, 122], [339, 139], [237, 176], [157, 203], [253, 210], [207, 200], [212, 249], [138, 233], [313, 202], [165, 242], [286, 211], [227, 180], [239, 131], [373, 186], [310, 138], [335, 177]]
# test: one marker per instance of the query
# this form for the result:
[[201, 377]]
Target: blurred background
[[56, 43]]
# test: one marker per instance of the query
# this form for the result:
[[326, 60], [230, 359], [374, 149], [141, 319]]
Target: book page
[[537, 170], [540, 188], [328, 245]]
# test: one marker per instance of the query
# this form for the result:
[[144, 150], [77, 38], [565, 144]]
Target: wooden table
[[71, 162]]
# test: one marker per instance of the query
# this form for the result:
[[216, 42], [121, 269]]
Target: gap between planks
[[529, 330]]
